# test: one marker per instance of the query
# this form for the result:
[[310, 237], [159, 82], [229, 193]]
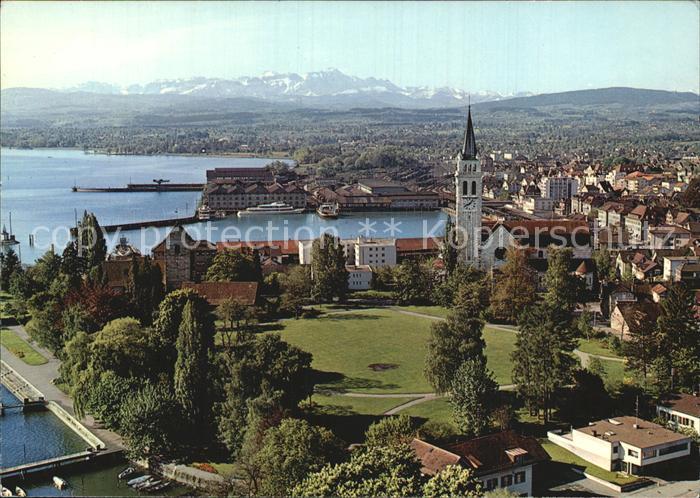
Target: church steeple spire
[[469, 147]]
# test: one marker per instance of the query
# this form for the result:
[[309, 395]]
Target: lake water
[[36, 189], [33, 436]]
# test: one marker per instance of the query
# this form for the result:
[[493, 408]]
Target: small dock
[[57, 462], [144, 187]]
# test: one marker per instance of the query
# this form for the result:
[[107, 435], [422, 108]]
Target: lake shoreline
[[273, 156]]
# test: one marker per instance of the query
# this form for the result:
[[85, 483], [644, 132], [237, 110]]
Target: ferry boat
[[204, 213], [328, 210], [273, 208]]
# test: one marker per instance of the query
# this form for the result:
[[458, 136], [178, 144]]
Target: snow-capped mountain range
[[326, 85]]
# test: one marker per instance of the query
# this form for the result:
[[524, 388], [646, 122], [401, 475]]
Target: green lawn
[[559, 454], [344, 405], [596, 346], [20, 348], [428, 310], [436, 410], [614, 371], [344, 345]]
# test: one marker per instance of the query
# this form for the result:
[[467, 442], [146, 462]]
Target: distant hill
[[31, 107], [634, 97]]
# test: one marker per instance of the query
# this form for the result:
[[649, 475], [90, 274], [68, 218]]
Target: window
[[648, 453], [473, 188], [673, 449], [491, 484], [506, 481], [633, 453], [519, 477], [615, 449], [465, 188]]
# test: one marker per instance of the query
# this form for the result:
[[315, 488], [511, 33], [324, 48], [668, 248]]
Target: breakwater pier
[[144, 187]]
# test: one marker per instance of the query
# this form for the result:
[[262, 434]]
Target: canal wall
[[18, 385], [190, 476], [72, 422]]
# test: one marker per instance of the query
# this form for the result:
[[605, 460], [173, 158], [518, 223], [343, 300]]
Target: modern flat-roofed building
[[681, 410], [627, 444], [375, 252], [359, 277]]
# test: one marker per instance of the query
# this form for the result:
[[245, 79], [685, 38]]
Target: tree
[[258, 365], [101, 303], [453, 480], [449, 249], [411, 283], [150, 422], [583, 324], [472, 396], [643, 345], [564, 288], [291, 451], [231, 312], [587, 399], [678, 333], [122, 346], [166, 326], [191, 382], [451, 343], [390, 431], [144, 289], [329, 278], [9, 264], [514, 289], [91, 242], [373, 471], [72, 264], [605, 268], [105, 397], [297, 289], [542, 360], [596, 367], [234, 266]]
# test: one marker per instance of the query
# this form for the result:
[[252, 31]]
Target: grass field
[[428, 310], [614, 371], [436, 410], [20, 348], [596, 346], [344, 345], [345, 405], [559, 454]]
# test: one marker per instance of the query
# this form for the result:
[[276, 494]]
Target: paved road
[[41, 377]]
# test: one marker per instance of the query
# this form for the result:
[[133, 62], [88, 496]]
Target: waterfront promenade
[[42, 376]]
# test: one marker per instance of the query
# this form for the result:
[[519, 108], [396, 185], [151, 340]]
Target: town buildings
[[182, 258]]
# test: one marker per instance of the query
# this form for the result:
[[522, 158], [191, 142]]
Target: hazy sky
[[505, 47]]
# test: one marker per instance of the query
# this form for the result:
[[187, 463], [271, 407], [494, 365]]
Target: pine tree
[[643, 345], [72, 265], [454, 341], [449, 248], [144, 288], [678, 332], [91, 241], [9, 264], [328, 273], [191, 381], [514, 289], [472, 397], [543, 360], [564, 289]]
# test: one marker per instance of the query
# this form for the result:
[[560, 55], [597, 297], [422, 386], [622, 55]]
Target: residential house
[[672, 263], [504, 460], [627, 444], [631, 317], [681, 411], [689, 274]]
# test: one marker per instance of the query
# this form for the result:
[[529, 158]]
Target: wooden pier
[[27, 469]]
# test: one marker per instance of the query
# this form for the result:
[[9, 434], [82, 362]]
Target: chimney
[[595, 433], [636, 426]]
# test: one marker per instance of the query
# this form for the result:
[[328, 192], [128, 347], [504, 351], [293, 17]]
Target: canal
[[32, 436]]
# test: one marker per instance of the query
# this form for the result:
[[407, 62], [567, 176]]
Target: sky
[[506, 47]]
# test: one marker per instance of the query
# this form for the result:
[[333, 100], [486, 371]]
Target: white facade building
[[681, 410], [359, 277], [375, 252], [559, 187], [626, 444]]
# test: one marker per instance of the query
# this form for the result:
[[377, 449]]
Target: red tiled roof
[[417, 244], [216, 292], [488, 454], [433, 459]]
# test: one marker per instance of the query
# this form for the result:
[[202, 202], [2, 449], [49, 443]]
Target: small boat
[[272, 208], [163, 485], [126, 472], [20, 492], [327, 210], [5, 492], [59, 482], [138, 480], [147, 483]]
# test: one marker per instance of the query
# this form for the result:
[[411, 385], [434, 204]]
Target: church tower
[[468, 197]]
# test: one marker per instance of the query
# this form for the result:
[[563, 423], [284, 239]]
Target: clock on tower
[[468, 196]]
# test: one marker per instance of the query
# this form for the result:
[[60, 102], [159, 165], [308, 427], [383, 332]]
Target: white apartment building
[[559, 187], [681, 410], [375, 252], [359, 277], [626, 444], [672, 263]]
